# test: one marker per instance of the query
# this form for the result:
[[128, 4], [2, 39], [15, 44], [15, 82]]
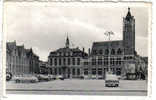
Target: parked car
[[42, 77], [60, 77], [25, 79], [8, 76], [52, 77], [111, 80]]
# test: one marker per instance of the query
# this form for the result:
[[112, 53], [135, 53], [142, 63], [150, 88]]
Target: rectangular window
[[73, 71], [78, 61], [73, 61], [99, 61], [55, 61], [100, 71], [85, 71], [105, 61], [119, 61], [93, 61], [93, 71], [68, 61], [51, 61], [64, 61], [59, 71], [55, 71], [78, 71], [60, 61], [85, 63]]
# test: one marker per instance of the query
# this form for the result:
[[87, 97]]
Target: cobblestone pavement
[[75, 86]]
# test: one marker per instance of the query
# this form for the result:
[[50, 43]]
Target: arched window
[[94, 52], [113, 52], [100, 52], [119, 51], [106, 52]]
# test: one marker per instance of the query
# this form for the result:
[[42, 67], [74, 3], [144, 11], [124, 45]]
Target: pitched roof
[[107, 44]]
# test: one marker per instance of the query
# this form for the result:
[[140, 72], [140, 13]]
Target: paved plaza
[[79, 87]]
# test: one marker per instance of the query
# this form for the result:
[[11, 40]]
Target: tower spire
[[128, 17], [67, 41]]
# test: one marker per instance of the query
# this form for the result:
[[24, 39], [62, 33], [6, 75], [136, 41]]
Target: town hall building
[[114, 56]]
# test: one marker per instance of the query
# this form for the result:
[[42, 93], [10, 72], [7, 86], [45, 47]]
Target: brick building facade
[[20, 60]]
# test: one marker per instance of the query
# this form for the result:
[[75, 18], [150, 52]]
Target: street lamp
[[108, 34]]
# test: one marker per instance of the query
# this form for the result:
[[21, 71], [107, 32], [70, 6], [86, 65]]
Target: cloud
[[45, 28]]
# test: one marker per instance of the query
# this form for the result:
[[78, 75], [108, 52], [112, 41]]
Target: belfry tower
[[129, 34]]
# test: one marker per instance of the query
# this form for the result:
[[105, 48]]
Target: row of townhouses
[[118, 57], [20, 60]]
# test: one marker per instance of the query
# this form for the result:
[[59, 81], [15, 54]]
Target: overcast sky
[[44, 28]]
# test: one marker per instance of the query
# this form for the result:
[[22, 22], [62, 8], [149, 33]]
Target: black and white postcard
[[77, 48]]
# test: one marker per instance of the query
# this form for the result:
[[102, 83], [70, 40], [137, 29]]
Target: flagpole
[[109, 38]]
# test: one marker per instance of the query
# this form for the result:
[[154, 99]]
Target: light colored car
[[52, 77], [111, 80], [60, 77], [42, 77], [25, 79]]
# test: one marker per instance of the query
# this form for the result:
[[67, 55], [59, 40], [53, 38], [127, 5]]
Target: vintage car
[[25, 79], [111, 80], [52, 77], [8, 76], [42, 77], [60, 77]]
